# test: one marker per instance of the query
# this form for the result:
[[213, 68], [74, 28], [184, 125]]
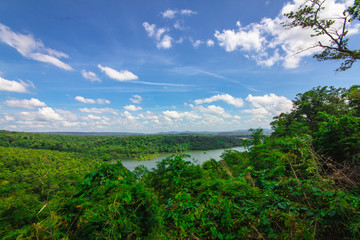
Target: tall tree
[[335, 29]]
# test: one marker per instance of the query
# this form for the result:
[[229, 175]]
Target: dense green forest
[[115, 147], [302, 182]]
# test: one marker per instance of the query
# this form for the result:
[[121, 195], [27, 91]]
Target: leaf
[[282, 205]]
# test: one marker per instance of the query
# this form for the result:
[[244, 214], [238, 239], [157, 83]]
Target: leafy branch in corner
[[308, 16]]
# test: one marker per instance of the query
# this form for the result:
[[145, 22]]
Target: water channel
[[197, 157]]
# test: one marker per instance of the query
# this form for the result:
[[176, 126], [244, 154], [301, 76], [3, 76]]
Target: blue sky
[[151, 66]]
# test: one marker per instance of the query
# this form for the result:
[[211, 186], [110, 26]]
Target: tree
[[257, 136], [354, 10], [335, 30], [304, 117]]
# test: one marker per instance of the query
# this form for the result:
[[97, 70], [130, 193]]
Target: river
[[196, 156]]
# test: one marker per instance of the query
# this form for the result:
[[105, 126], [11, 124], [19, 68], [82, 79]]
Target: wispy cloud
[[164, 84], [171, 13], [161, 35], [90, 76], [28, 47], [122, 75], [136, 99], [158, 34]]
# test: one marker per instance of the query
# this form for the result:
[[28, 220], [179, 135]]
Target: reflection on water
[[197, 157]]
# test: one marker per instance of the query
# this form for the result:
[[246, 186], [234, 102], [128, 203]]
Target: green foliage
[[354, 10], [31, 179], [111, 205], [330, 116]]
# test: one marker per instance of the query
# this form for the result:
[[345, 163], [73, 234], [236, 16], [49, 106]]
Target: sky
[[157, 66]]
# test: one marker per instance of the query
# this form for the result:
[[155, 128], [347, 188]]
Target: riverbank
[[196, 156]]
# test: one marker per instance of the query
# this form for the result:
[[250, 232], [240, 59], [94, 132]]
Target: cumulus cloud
[[132, 108], [92, 101], [25, 103], [136, 99], [99, 110], [181, 115], [268, 42], [165, 42], [128, 116], [212, 109], [28, 47], [122, 75], [237, 102], [268, 105], [46, 114], [14, 86], [90, 76]]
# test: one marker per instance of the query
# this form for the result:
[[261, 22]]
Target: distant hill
[[235, 132]]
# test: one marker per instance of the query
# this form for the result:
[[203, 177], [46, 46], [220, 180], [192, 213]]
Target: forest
[[302, 182], [111, 148]]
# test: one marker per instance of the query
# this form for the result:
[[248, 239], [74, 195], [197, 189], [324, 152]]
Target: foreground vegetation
[[300, 183]]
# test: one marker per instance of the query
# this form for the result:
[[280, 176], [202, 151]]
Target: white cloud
[[268, 105], [268, 42], [214, 110], [178, 115], [99, 110], [92, 117], [90, 76], [237, 102], [122, 75], [14, 86], [85, 100], [136, 99], [28, 47], [25, 103], [102, 101], [169, 13], [196, 43], [187, 12], [165, 42], [129, 116], [210, 43], [162, 41], [132, 108], [46, 114], [149, 28], [68, 115], [248, 38], [92, 101]]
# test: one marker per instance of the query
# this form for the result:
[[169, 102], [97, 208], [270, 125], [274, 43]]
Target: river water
[[197, 157]]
